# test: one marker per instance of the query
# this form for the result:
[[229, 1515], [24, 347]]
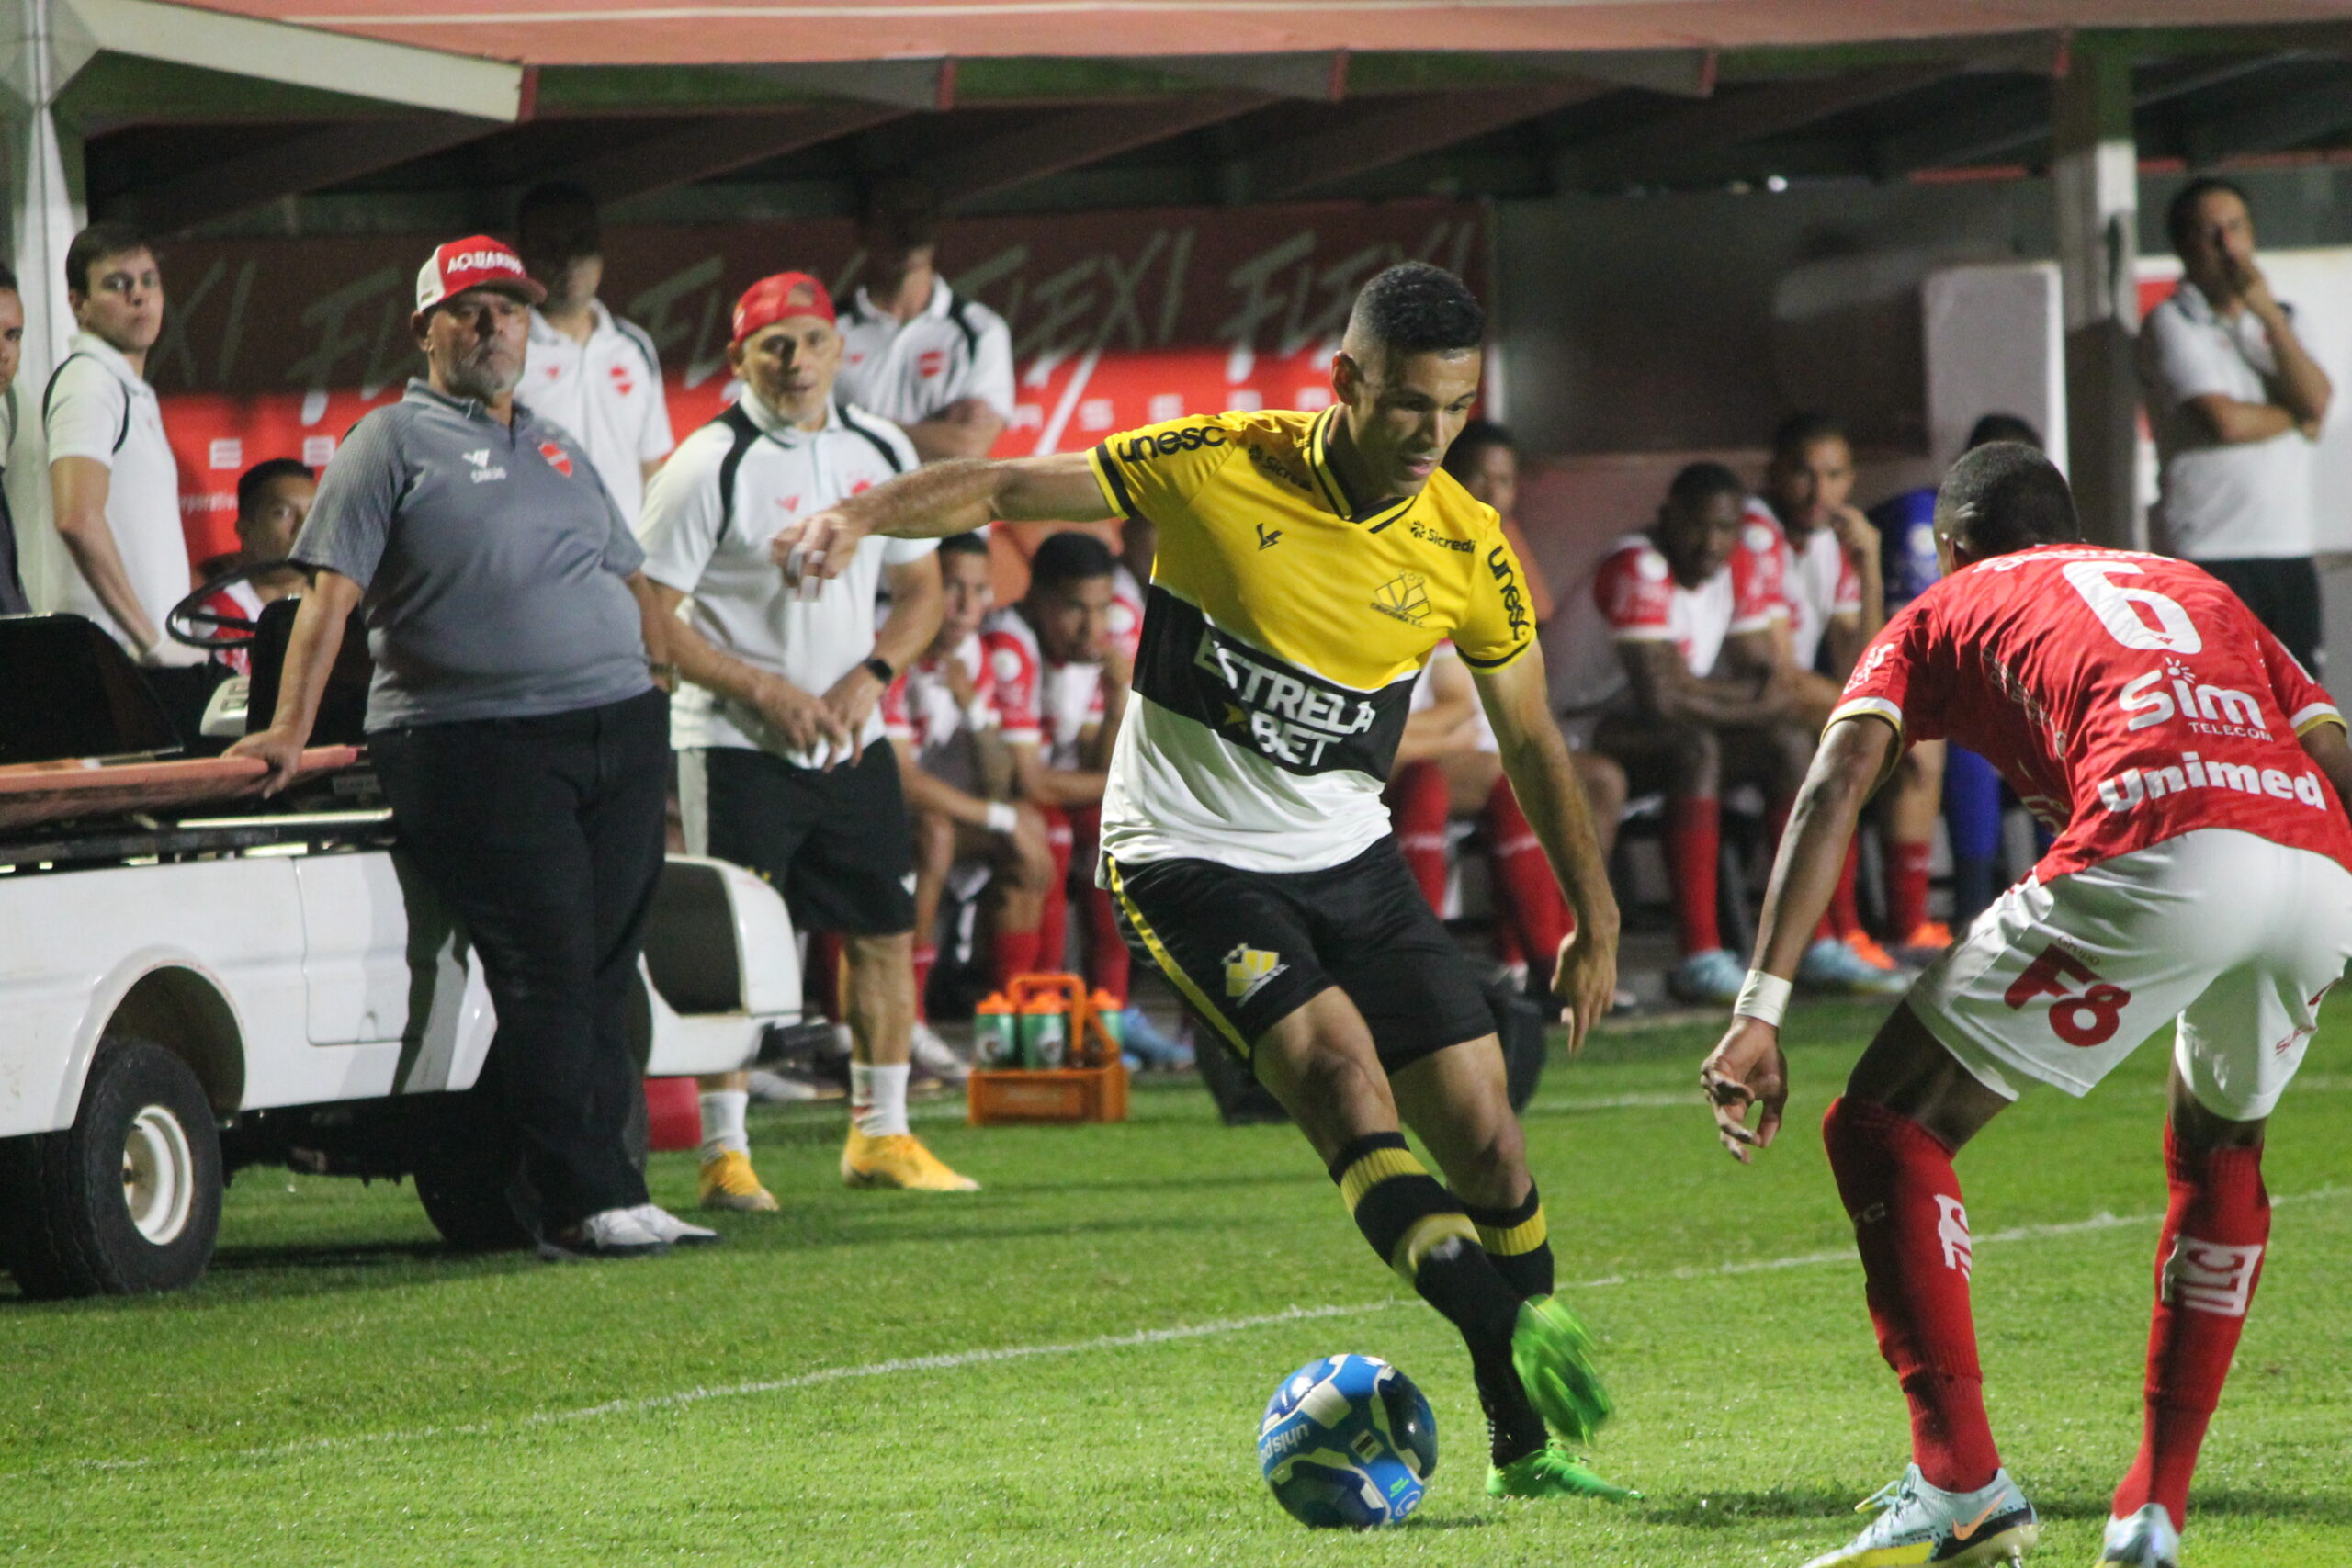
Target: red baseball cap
[[475, 262], [776, 298]]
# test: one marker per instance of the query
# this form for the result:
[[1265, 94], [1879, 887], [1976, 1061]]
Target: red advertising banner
[[273, 348]]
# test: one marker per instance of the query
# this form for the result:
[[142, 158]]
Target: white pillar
[[2094, 178], [45, 210]]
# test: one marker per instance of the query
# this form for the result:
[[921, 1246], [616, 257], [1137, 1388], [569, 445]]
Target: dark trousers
[[545, 836], [2284, 596]]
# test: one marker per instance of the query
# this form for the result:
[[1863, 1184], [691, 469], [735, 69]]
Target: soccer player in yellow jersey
[[1307, 565]]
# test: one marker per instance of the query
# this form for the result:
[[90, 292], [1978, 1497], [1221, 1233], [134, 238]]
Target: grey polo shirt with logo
[[494, 564]]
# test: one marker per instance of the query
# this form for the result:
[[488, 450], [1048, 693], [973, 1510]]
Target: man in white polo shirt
[[782, 766], [587, 369], [913, 350], [114, 485], [2235, 401]]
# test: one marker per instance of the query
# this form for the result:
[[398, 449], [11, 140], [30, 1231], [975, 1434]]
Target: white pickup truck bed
[[301, 980]]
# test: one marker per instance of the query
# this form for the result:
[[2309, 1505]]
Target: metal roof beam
[[306, 57], [1749, 116], [2280, 123], [1389, 131], [718, 145], [311, 161], [1073, 139]]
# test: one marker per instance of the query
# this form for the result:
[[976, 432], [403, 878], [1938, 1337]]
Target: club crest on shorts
[[1246, 970]]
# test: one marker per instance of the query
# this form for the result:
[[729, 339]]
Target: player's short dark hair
[[1475, 437], [250, 482], [1698, 483], [108, 237], [8, 279], [1414, 308], [558, 219], [1800, 432], [1069, 557], [902, 211], [2003, 427], [972, 544], [2006, 496], [2182, 209]]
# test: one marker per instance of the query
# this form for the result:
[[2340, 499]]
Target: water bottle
[[996, 1040]]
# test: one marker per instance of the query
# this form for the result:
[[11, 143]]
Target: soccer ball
[[1348, 1440]]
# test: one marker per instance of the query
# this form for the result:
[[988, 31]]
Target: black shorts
[[1247, 948], [834, 842]]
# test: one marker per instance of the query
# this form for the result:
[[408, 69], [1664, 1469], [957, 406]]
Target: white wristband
[[1001, 817], [1764, 998]]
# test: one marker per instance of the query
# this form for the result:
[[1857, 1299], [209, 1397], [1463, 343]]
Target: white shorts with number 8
[[2233, 936]]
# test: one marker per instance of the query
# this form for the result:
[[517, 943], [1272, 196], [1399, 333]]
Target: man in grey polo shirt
[[2235, 400], [515, 725]]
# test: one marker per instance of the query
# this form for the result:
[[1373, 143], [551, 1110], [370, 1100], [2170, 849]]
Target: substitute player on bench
[[1308, 564], [2186, 761]]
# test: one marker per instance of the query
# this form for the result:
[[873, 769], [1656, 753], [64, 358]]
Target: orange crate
[[1047, 1094]]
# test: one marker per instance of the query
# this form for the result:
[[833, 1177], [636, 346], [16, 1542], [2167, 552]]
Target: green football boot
[[1551, 1352], [1552, 1472]]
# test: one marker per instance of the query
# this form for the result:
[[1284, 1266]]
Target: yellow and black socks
[[1519, 1241], [1420, 1230]]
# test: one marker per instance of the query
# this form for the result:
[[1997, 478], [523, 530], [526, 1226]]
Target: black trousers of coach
[[545, 836]]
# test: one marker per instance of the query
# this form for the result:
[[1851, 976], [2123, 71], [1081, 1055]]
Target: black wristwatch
[[879, 668]]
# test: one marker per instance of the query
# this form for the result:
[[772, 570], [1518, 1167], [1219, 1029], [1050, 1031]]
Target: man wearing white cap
[[515, 725], [782, 766]]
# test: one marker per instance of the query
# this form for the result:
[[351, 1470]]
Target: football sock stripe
[[1518, 1240]]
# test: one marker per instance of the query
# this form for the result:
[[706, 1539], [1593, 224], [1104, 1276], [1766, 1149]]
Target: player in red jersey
[[2184, 759]]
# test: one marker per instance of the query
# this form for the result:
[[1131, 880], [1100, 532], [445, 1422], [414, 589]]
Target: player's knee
[[1493, 1168]]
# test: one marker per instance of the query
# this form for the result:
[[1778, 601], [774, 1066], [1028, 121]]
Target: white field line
[[950, 1360]]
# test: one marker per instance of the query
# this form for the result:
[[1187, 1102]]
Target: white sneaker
[[2146, 1540], [609, 1233], [780, 1089], [936, 1056], [1923, 1524], [673, 1230]]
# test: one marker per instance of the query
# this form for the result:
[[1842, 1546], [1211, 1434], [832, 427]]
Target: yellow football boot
[[730, 1182], [898, 1159]]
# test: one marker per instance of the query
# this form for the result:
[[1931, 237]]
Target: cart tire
[[127, 1200]]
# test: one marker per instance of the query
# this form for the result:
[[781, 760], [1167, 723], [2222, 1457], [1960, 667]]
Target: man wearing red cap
[[517, 731], [782, 766]]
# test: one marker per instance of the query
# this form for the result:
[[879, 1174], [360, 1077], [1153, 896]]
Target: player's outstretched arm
[[942, 499], [1535, 759], [1747, 1069]]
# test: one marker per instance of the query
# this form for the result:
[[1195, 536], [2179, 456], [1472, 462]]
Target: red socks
[[1694, 838], [1053, 917], [925, 956], [1106, 950], [1010, 954], [1844, 911], [2207, 1261], [1897, 1183], [1419, 807], [1907, 889], [1532, 904]]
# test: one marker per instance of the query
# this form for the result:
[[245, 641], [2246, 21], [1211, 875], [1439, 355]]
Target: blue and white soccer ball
[[1348, 1440]]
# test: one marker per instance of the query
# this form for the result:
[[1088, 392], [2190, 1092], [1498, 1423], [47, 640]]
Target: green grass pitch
[[1067, 1369]]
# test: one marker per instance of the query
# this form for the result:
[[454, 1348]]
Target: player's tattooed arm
[[1542, 775], [1748, 1070], [934, 502]]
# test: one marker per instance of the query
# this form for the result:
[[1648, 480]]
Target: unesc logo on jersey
[[1246, 970]]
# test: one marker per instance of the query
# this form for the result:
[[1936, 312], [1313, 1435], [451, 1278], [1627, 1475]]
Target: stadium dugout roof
[[323, 116]]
